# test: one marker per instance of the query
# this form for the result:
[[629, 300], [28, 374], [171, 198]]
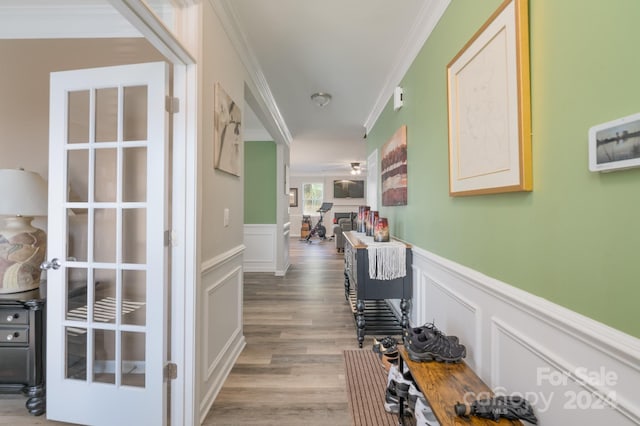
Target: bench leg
[[360, 320], [347, 286], [405, 306]]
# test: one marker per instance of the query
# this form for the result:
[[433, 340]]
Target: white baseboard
[[574, 370]]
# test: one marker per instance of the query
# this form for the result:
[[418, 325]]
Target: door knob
[[54, 264]]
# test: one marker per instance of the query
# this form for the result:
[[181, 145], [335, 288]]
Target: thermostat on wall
[[398, 98]]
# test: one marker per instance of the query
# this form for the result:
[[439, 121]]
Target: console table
[[358, 282], [22, 346]]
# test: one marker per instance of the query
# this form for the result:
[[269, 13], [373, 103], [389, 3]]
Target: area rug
[[366, 385]]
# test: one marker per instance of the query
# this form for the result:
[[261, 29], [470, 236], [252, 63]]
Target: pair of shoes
[[427, 343], [414, 332], [386, 344]]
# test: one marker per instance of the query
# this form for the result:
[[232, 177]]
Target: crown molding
[[423, 25], [40, 20], [230, 23]]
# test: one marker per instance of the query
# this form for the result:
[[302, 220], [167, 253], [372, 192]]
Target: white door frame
[[183, 280]]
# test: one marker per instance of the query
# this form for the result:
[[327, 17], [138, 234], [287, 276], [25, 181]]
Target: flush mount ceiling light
[[321, 99], [356, 169]]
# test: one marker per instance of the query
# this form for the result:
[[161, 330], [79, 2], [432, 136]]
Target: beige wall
[[220, 190], [24, 117], [24, 85]]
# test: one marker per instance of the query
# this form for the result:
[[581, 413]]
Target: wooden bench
[[444, 385]]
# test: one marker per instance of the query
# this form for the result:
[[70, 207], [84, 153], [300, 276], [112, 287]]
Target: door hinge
[[170, 238], [172, 105], [171, 371]]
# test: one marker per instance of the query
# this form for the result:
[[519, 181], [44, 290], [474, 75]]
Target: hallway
[[292, 370]]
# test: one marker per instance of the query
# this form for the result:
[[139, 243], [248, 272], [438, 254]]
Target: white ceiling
[[356, 50]]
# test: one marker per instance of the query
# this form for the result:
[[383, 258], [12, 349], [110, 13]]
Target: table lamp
[[23, 247]]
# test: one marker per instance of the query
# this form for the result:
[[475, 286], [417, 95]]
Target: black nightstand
[[22, 346]]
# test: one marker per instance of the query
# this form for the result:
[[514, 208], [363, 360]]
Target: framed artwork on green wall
[[615, 145], [490, 107]]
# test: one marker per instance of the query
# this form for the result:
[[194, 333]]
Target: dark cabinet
[[22, 347], [368, 295]]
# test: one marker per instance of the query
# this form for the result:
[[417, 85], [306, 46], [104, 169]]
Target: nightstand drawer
[[13, 336], [14, 316]]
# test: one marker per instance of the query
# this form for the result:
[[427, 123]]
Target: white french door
[[107, 282]]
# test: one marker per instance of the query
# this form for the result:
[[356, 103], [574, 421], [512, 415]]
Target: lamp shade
[[22, 193]]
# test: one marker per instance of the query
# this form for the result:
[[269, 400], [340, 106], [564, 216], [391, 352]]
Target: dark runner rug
[[366, 385]]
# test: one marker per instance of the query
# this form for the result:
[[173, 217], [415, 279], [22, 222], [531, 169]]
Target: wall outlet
[[226, 217]]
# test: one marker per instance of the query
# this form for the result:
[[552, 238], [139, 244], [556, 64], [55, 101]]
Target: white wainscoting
[[260, 242], [220, 323], [282, 269], [573, 369]]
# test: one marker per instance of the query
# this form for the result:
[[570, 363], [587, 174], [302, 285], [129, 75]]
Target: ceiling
[[356, 50]]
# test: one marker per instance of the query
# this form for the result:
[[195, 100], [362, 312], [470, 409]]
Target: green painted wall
[[574, 240], [260, 182]]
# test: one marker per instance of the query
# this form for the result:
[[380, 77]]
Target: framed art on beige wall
[[489, 107], [227, 134]]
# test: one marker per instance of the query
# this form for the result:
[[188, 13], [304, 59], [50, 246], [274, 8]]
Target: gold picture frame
[[489, 106]]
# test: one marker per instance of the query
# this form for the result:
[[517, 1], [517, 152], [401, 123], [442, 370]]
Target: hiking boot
[[433, 345], [413, 332]]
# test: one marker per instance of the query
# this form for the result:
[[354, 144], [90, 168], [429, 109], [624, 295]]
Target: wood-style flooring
[[296, 327], [291, 371]]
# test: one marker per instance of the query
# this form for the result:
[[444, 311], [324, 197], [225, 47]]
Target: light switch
[[226, 217]]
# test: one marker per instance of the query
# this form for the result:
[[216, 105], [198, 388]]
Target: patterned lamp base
[[22, 250]]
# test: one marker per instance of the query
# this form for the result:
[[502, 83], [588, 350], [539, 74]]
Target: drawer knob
[[12, 317], [12, 335]]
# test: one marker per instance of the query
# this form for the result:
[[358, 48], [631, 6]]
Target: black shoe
[[386, 344], [432, 345], [413, 332]]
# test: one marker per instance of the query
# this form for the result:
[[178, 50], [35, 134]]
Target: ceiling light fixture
[[356, 169], [321, 99]]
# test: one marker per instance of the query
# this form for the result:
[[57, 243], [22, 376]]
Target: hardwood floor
[[291, 371], [296, 327]]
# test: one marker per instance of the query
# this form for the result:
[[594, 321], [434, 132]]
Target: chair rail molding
[[521, 343]]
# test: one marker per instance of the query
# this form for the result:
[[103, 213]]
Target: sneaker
[[386, 344], [413, 332], [391, 403], [433, 345]]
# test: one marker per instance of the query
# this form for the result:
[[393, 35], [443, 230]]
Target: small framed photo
[[293, 197], [615, 145]]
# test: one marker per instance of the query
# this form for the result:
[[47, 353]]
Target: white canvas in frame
[[227, 132], [615, 145], [489, 107]]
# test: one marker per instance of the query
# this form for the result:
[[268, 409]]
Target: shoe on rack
[[433, 345], [391, 402], [389, 359], [386, 344], [413, 332]]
